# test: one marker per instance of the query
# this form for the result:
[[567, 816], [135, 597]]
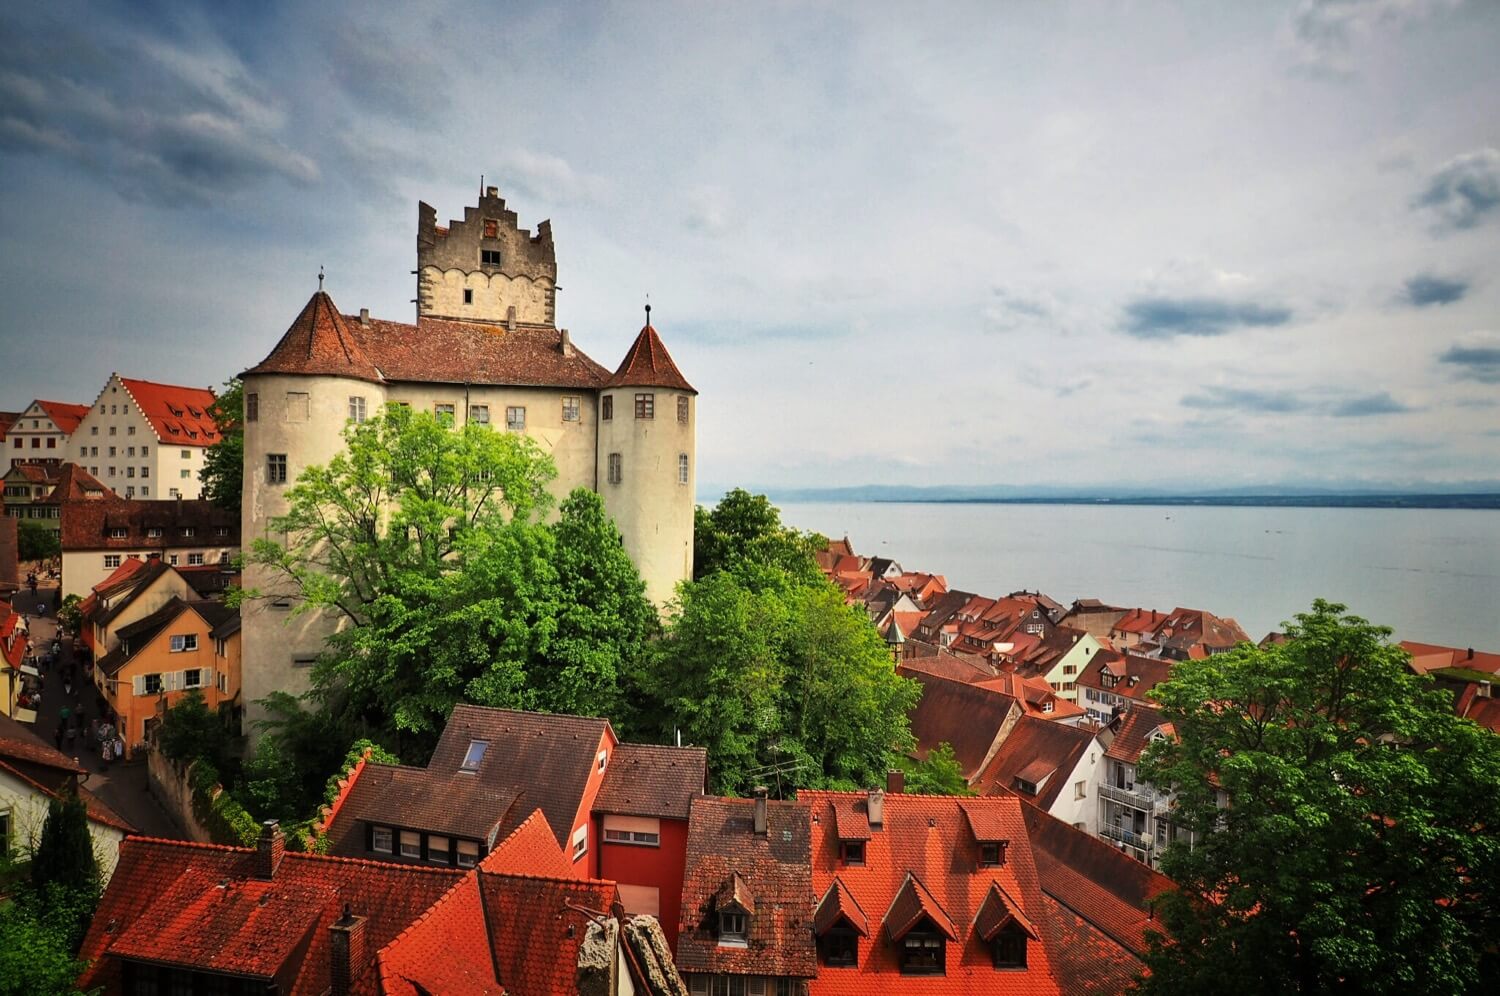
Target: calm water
[[1431, 575]]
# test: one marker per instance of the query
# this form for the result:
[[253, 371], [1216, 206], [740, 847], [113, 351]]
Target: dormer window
[[839, 948], [1009, 947], [734, 926], [992, 854], [852, 852], [923, 951], [474, 756]]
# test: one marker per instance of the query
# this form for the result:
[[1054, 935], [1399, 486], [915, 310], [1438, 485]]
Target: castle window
[[616, 471], [252, 408], [443, 412], [468, 295], [682, 409], [489, 257], [515, 418], [298, 404], [682, 468], [645, 406], [570, 408], [606, 414], [491, 228], [275, 468], [479, 414], [357, 408]]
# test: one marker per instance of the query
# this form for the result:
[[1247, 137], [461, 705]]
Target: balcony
[[1144, 801], [1119, 833]]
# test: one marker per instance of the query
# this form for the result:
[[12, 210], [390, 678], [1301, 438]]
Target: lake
[[1432, 575]]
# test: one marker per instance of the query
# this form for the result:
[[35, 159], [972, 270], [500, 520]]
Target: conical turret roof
[[319, 342], [648, 364]]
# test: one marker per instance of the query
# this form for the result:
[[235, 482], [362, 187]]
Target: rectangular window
[[839, 948], [189, 531], [991, 854], [381, 840], [852, 852], [606, 413], [129, 492], [570, 408], [304, 661], [443, 411], [437, 849], [181, 644], [632, 837], [298, 406], [118, 532], [682, 409], [252, 407], [1080, 790], [922, 953], [111, 560], [489, 257], [172, 559], [145, 471], [94, 429], [192, 677], [130, 451], [468, 853], [479, 414], [130, 472], [515, 418], [130, 430], [645, 406], [411, 844], [195, 559], [682, 468], [153, 684], [275, 468], [356, 408], [184, 473], [145, 451], [111, 451], [187, 454], [468, 295], [580, 842], [51, 442], [616, 471], [474, 756], [733, 925], [491, 228], [112, 431]]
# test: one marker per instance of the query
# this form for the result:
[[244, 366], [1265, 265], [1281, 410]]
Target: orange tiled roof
[[651, 780], [178, 415], [64, 415], [648, 364], [531, 849]]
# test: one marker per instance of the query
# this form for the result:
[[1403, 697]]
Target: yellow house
[[158, 659]]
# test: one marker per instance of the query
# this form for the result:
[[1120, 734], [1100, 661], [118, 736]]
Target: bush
[[221, 815], [190, 731]]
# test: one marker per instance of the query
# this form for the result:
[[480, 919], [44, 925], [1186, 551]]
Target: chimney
[[1471, 654], [567, 343], [875, 808], [760, 792], [895, 781], [269, 848], [364, 317], [492, 191], [346, 952]]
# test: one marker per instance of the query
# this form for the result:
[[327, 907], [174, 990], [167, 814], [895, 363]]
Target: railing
[[1126, 836], [1144, 801]]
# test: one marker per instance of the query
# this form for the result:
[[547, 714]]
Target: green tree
[[223, 473], [745, 529], [34, 541], [68, 614], [190, 730], [64, 872], [36, 950], [1359, 842], [937, 774]]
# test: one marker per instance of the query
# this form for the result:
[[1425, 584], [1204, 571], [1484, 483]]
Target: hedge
[[226, 820]]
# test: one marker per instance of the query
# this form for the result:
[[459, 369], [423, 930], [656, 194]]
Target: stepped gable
[[648, 364], [442, 351], [319, 341], [178, 415]]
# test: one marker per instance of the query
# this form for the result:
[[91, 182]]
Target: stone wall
[[173, 788]]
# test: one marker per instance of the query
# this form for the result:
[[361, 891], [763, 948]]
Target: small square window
[[570, 408], [515, 418], [411, 844], [130, 430], [192, 678], [443, 411], [112, 560], [852, 852], [607, 410], [479, 414], [152, 684], [468, 853], [645, 406], [733, 926], [468, 295], [184, 473], [172, 559], [489, 257], [381, 840], [275, 468], [991, 854]]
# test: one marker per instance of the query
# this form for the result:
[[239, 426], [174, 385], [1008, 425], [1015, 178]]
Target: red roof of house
[[924, 862], [650, 780], [531, 849], [319, 341], [76, 484], [1037, 751], [201, 907], [968, 717], [1134, 734], [64, 415], [648, 364], [1428, 657], [86, 525], [178, 415]]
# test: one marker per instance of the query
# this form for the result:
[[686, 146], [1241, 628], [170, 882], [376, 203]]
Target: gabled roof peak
[[319, 341], [648, 364]]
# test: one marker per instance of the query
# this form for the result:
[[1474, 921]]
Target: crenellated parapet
[[485, 267]]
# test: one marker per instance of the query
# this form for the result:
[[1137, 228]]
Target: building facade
[[146, 440], [41, 433], [485, 349]]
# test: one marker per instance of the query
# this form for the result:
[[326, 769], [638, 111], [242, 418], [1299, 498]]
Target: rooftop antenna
[[320, 279]]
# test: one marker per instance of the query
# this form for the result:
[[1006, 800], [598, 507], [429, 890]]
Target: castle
[[485, 348]]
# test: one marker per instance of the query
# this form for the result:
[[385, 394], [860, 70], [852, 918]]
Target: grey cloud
[[551, 179], [1256, 401], [401, 81], [1155, 317], [1478, 358], [1010, 311], [1325, 30], [1463, 191], [1424, 290], [163, 123]]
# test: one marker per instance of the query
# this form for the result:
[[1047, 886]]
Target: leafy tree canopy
[[1358, 843], [223, 473], [34, 541], [190, 730], [744, 531], [37, 941], [937, 774]]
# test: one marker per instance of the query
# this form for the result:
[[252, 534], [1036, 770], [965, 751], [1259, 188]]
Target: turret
[[485, 268], [648, 462]]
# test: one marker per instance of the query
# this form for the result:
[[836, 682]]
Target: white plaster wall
[[28, 814], [1071, 810], [1078, 656], [82, 569]]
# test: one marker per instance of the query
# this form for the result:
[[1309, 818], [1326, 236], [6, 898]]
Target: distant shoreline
[[1468, 502]]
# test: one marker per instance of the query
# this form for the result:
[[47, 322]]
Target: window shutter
[[138, 685]]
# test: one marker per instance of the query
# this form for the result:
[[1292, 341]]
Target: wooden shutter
[[138, 685]]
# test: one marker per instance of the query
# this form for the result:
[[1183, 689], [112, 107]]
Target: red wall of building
[[662, 867]]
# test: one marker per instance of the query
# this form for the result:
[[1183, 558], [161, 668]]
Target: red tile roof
[[650, 780], [1428, 657], [1036, 751], [64, 415], [1134, 734], [999, 909], [837, 904], [924, 860], [201, 907], [434, 350], [966, 716], [775, 869], [178, 415], [531, 849], [86, 524], [76, 484], [27, 757], [648, 364]]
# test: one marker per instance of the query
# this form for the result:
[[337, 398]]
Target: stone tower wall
[[451, 261]]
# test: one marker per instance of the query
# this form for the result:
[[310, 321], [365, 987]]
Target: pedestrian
[[106, 755]]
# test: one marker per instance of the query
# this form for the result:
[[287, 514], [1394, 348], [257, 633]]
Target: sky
[[1091, 244]]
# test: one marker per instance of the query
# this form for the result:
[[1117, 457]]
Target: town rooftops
[[648, 364], [76, 484], [1035, 760], [970, 718], [323, 342], [765, 875], [1134, 733], [127, 524], [648, 780], [178, 415], [25, 756]]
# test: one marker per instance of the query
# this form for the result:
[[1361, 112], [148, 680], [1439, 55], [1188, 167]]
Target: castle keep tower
[[485, 268], [647, 462]]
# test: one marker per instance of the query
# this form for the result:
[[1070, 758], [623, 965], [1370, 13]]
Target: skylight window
[[475, 755]]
